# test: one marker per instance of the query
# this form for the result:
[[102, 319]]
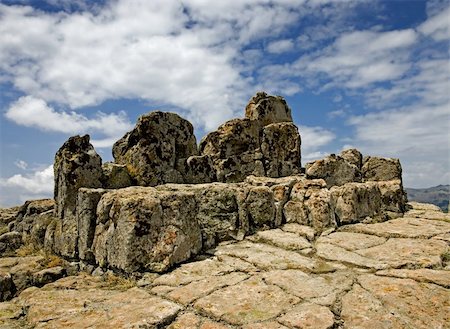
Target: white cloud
[[438, 26], [18, 188], [313, 138], [280, 46], [21, 164], [29, 111]]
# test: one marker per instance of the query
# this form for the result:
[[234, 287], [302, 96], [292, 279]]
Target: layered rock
[[381, 169], [154, 149]]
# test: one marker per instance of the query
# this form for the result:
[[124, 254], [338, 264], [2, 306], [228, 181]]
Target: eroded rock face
[[381, 169], [154, 148], [76, 165], [268, 109], [116, 176], [336, 170], [144, 229]]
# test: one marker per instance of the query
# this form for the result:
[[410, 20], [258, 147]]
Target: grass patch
[[27, 250], [117, 282]]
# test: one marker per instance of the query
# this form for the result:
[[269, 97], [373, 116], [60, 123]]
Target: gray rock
[[7, 288], [76, 165], [334, 169], [154, 148], [48, 275], [87, 220], [352, 156], [9, 242], [353, 202], [280, 147], [145, 229], [268, 109], [115, 176], [381, 169]]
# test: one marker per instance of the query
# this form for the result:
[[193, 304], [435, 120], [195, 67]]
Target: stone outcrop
[[156, 150], [381, 169], [383, 275], [265, 143]]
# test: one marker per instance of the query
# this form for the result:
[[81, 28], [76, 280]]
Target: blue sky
[[367, 74]]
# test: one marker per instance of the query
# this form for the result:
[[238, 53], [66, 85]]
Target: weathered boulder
[[393, 197], [268, 109], [7, 288], [353, 202], [9, 242], [154, 148], [76, 165], [352, 156], [145, 229], [115, 176], [32, 220], [334, 169], [48, 275], [311, 204], [234, 149], [198, 169], [280, 147], [381, 169]]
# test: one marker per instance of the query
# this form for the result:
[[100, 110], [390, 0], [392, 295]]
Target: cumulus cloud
[[33, 112], [280, 46], [313, 138], [438, 27], [18, 188]]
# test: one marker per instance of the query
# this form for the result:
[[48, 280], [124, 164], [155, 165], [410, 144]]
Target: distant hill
[[438, 195]]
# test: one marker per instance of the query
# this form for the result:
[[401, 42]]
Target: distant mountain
[[438, 195]]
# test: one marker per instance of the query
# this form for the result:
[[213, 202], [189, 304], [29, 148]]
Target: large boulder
[[311, 204], [354, 202], [234, 149], [381, 169], [116, 176], [140, 228], [76, 165], [280, 147], [155, 147], [268, 109], [9, 242], [334, 169]]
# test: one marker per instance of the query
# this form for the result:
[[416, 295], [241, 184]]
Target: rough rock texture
[[145, 229], [32, 220], [7, 288], [115, 176], [336, 170], [265, 143], [9, 242], [381, 169], [268, 109], [391, 276], [76, 165], [353, 202], [155, 147], [310, 204]]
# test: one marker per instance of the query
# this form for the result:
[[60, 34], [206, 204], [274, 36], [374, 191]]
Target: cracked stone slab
[[308, 286], [438, 277], [194, 290], [384, 302], [281, 239], [265, 325], [336, 253], [302, 230], [87, 303], [249, 301], [193, 321], [402, 228], [266, 257], [352, 241], [407, 252], [308, 315], [196, 271]]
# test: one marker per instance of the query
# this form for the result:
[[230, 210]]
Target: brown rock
[[9, 242], [7, 288], [268, 109], [352, 156], [308, 315], [153, 149], [249, 301], [48, 275], [381, 169], [335, 170], [115, 176]]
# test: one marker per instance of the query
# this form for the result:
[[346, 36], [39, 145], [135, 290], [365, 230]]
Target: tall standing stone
[[76, 165], [268, 109]]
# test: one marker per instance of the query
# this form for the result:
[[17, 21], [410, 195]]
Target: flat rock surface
[[393, 274]]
